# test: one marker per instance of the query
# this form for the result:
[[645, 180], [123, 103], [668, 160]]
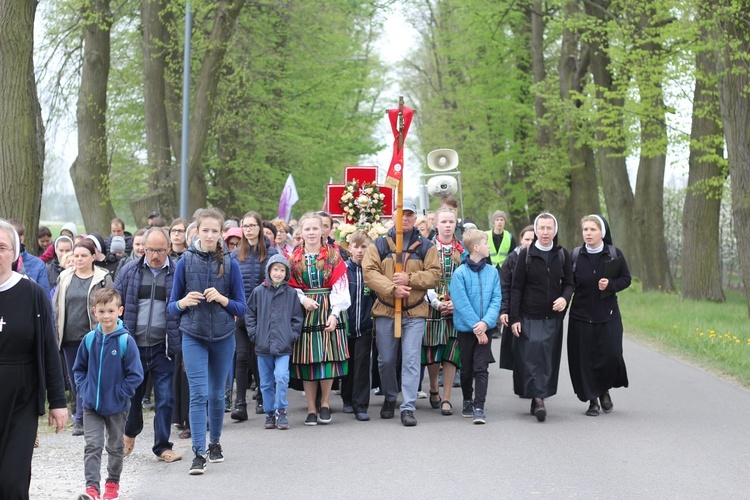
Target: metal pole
[[184, 150]]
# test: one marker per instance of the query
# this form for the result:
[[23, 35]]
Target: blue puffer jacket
[[467, 286], [127, 284], [197, 271], [35, 269], [253, 270], [105, 379]]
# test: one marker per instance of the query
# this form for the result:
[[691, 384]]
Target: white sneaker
[[421, 395]]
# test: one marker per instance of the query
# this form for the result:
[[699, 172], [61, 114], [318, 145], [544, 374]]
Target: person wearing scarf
[[321, 353], [595, 327], [540, 294]]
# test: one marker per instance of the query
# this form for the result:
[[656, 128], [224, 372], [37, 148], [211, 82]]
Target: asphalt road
[[676, 432]]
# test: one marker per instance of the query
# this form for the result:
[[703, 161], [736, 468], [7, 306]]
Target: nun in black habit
[[30, 369], [540, 293], [595, 326]]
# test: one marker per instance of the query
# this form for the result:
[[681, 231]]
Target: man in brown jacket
[[421, 272]]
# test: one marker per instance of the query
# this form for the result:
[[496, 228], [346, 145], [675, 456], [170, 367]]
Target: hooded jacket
[[105, 379], [476, 297], [422, 266], [197, 271], [274, 314]]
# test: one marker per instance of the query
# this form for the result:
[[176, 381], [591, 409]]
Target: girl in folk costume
[[320, 354], [440, 343]]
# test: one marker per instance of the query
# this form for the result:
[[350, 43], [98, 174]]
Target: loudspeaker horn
[[442, 160], [442, 186]]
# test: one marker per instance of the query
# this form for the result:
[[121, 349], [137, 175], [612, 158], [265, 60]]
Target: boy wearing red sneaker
[[107, 373]]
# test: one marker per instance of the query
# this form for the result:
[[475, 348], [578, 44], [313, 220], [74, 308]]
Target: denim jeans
[[274, 369], [410, 343], [161, 371], [207, 365]]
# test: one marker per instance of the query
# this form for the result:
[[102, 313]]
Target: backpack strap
[[574, 257], [123, 340]]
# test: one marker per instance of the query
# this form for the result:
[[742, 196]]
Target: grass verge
[[713, 336]]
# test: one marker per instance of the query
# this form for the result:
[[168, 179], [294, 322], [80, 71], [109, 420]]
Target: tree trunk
[[648, 215], [583, 194], [163, 177], [204, 95], [90, 170], [21, 126], [701, 264], [610, 154], [735, 116]]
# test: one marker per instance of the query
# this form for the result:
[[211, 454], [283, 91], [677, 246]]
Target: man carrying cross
[[421, 271]]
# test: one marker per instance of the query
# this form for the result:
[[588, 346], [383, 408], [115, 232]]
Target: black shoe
[[78, 429], [388, 410], [540, 412], [311, 419], [407, 418], [324, 417], [256, 394], [606, 401], [259, 406], [240, 411], [468, 410], [199, 465], [214, 453], [348, 408]]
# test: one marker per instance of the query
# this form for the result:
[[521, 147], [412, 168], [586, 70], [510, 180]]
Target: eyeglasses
[[157, 251], [5, 249], [177, 231], [232, 244], [249, 226]]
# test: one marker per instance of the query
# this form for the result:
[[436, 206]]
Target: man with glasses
[[145, 286]]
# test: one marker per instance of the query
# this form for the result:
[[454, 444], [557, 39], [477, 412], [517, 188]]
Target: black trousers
[[355, 387], [475, 359], [18, 426], [242, 358]]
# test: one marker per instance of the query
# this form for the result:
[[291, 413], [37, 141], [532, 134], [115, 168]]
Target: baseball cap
[[410, 205]]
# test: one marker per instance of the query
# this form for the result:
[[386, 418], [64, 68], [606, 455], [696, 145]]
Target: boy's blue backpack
[[89, 338]]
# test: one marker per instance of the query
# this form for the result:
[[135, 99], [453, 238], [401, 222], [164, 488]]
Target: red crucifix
[[334, 192]]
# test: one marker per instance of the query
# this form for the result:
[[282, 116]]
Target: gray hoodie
[[274, 315]]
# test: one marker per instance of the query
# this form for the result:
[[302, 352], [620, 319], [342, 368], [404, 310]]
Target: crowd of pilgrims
[[233, 313]]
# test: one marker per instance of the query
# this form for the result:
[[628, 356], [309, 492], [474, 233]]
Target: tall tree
[[21, 127], [611, 146], [90, 170], [734, 84], [648, 215], [701, 265]]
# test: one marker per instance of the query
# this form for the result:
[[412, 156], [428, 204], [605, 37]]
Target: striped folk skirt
[[317, 354], [440, 340]]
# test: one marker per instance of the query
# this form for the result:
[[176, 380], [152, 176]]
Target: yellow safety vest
[[498, 255]]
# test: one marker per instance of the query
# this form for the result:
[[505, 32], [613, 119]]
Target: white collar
[[544, 249], [595, 250], [11, 282]]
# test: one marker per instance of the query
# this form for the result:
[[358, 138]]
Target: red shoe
[[92, 492], [111, 491]]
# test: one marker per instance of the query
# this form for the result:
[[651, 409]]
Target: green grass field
[[713, 336]]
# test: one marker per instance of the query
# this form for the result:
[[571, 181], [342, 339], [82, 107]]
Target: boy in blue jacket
[[107, 372], [274, 322], [475, 292]]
